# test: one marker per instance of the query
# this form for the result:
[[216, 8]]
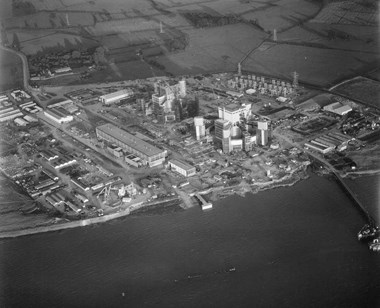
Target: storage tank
[[235, 132]]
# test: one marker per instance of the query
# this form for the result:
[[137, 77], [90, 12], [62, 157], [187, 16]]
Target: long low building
[[182, 168], [115, 96], [59, 115], [149, 154], [10, 115]]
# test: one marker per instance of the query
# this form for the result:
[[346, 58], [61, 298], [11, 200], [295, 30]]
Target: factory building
[[182, 168], [234, 112], [149, 154], [58, 115], [319, 147], [247, 141], [262, 133], [338, 108], [163, 99], [223, 135], [115, 96], [200, 129], [236, 145]]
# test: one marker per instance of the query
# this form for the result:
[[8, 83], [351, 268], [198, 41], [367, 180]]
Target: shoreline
[[216, 195], [78, 223]]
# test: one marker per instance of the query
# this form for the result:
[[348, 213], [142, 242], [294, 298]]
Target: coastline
[[217, 194], [79, 223]]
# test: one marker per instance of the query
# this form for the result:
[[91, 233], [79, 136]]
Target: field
[[349, 12], [10, 71], [362, 89], [317, 66], [309, 42], [208, 51]]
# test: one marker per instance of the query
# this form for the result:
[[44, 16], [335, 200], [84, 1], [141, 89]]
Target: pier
[[348, 190], [361, 207], [205, 205]]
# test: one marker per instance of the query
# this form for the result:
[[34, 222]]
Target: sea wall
[[65, 225]]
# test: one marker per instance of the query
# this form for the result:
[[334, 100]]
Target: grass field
[[348, 12], [126, 27], [214, 49], [317, 66], [10, 71], [361, 89]]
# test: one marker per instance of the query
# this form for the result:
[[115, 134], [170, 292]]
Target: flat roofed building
[[115, 96], [20, 122], [182, 167], [318, 147], [338, 108], [233, 112], [149, 154], [59, 115]]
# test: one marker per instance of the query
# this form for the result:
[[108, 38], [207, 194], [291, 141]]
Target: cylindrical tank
[[235, 132]]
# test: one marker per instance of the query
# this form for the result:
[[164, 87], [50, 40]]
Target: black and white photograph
[[190, 153]]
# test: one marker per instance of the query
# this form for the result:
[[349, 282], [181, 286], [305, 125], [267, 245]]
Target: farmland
[[362, 89], [317, 66], [145, 38], [10, 71]]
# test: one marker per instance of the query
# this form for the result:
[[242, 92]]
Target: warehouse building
[[149, 154], [9, 114], [338, 108], [115, 96], [319, 147], [182, 168], [58, 115]]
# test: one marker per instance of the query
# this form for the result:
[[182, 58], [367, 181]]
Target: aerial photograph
[[190, 153]]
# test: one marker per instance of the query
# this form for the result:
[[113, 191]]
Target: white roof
[[116, 95]]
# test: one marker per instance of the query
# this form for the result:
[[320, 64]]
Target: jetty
[[354, 197], [205, 205]]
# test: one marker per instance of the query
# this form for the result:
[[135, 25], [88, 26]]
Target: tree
[[16, 42], [99, 55], [75, 54]]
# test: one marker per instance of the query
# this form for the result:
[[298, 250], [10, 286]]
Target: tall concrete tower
[[262, 133], [182, 88], [200, 130]]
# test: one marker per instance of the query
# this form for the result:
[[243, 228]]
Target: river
[[287, 247]]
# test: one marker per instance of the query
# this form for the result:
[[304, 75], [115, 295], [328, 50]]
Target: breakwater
[[363, 210]]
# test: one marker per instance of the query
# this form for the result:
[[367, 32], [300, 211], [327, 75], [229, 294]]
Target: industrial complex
[[117, 148]]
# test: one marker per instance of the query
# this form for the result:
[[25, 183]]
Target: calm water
[[291, 247], [368, 191]]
